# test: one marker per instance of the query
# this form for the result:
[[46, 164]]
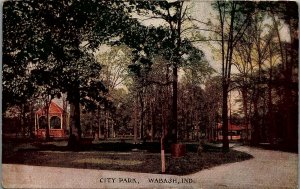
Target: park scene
[[198, 94]]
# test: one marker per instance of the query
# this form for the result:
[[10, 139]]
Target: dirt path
[[268, 169]]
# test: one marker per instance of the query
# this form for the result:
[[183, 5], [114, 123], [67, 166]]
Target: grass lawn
[[115, 156]]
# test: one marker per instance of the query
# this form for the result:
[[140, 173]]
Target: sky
[[204, 12]]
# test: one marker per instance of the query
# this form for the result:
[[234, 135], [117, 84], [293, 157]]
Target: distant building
[[235, 132], [57, 121]]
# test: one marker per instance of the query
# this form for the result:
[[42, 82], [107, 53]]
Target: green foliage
[[150, 42], [48, 37]]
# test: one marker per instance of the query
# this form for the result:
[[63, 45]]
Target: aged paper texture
[[150, 94]]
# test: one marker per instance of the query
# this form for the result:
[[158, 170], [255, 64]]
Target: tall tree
[[291, 18], [288, 13], [114, 73], [175, 45], [234, 19]]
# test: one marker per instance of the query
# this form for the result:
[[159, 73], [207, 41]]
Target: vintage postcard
[[150, 94]]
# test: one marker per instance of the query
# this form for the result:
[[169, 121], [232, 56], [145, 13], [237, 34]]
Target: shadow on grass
[[150, 147], [118, 156]]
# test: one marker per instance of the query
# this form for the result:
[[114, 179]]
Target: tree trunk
[[48, 120], [225, 117], [75, 131], [32, 121], [245, 109], [152, 117], [99, 124], [135, 126], [23, 120], [65, 114], [142, 116], [71, 121], [77, 119], [75, 114], [174, 105], [271, 124], [255, 119], [106, 124]]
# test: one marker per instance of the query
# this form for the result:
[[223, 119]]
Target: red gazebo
[[56, 123]]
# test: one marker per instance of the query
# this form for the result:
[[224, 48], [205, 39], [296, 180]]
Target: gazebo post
[[61, 121], [35, 117], [49, 118]]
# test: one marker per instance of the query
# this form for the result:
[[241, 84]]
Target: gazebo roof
[[53, 109]]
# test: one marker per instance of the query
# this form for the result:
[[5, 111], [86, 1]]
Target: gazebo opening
[[55, 122], [42, 122]]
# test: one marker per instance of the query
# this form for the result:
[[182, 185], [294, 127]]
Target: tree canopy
[[52, 49]]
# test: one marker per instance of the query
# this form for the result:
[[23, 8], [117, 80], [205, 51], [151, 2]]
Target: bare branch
[[199, 40], [152, 17], [184, 13], [201, 22]]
